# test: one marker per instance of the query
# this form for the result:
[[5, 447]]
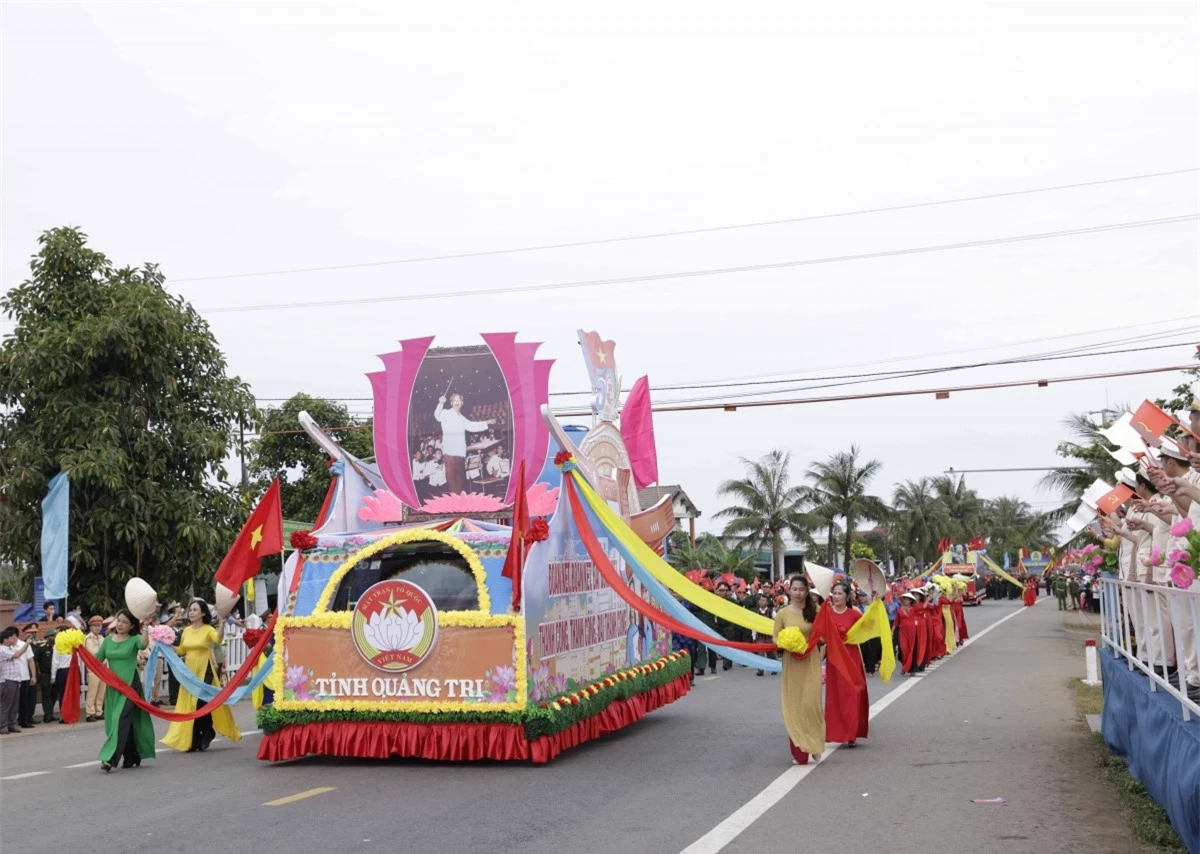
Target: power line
[[914, 357], [920, 373], [940, 393], [878, 376], [683, 232], [713, 271], [912, 372]]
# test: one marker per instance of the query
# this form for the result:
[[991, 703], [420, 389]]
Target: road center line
[[23, 776], [750, 812], [320, 790], [84, 764]]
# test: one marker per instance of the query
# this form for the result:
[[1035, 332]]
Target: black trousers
[[26, 703], [48, 696]]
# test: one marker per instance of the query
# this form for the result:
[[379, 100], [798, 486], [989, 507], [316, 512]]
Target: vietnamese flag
[[261, 535], [1110, 501], [1150, 422]]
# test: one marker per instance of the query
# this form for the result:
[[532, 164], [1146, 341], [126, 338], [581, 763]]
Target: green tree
[[860, 549], [839, 488], [1010, 524], [112, 379], [921, 520], [1085, 449], [284, 450], [962, 507], [712, 555], [768, 507]]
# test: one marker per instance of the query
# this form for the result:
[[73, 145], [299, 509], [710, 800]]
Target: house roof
[[651, 495]]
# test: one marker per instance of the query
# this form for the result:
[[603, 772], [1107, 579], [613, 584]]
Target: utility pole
[[242, 460]]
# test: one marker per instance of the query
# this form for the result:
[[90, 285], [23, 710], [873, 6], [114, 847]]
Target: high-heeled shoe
[[128, 764], [105, 767]]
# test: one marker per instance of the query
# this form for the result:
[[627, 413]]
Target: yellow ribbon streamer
[[666, 574], [874, 624], [991, 564]]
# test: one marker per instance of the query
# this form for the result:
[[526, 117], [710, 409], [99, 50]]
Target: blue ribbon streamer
[[196, 686], [674, 608]]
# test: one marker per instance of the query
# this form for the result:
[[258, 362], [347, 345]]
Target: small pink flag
[[637, 429]]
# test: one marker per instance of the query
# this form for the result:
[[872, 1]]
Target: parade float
[[446, 605]]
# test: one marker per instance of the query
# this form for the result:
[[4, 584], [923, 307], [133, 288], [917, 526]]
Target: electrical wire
[[712, 271], [941, 393], [878, 376], [911, 374], [683, 232]]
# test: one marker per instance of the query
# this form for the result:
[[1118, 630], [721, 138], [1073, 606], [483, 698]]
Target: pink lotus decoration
[[383, 506], [1182, 528], [462, 502], [1182, 576], [542, 499]]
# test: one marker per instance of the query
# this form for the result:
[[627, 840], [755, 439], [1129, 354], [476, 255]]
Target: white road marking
[[750, 812], [84, 764], [23, 776]]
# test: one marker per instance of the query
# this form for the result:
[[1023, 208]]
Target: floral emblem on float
[[394, 625]]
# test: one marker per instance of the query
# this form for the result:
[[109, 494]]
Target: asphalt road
[[995, 720]]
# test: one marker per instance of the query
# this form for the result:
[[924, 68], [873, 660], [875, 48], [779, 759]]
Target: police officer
[[1073, 591], [43, 652], [1060, 590]]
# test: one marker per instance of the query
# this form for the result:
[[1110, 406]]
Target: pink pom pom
[[1182, 576], [163, 634]]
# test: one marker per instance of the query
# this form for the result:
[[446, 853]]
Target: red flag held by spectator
[[1150, 422]]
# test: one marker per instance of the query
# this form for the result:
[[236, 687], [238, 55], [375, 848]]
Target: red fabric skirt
[[846, 708]]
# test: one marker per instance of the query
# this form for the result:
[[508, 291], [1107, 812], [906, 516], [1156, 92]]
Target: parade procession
[[672, 428]]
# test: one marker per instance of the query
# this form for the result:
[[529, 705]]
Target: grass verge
[[1148, 820]]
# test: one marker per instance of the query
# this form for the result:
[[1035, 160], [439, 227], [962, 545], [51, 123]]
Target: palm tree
[[767, 506], [963, 507], [1087, 448], [711, 554], [840, 487], [921, 519]]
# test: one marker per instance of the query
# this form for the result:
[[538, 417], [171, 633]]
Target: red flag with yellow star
[[262, 535]]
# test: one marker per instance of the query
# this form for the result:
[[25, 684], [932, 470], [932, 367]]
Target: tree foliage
[[768, 507], [839, 489], [112, 379], [712, 555], [283, 450], [921, 519]]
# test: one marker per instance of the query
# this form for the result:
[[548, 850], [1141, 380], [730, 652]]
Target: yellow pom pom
[[792, 640], [66, 641]]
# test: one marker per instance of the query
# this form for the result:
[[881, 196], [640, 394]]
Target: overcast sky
[[220, 139]]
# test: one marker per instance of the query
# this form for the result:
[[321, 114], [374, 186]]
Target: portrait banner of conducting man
[[460, 422]]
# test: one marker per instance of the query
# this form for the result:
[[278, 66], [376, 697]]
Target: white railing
[[1156, 629]]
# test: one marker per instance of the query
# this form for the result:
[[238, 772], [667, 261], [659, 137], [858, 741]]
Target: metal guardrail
[[1153, 627]]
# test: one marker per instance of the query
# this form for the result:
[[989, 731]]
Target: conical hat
[[140, 598]]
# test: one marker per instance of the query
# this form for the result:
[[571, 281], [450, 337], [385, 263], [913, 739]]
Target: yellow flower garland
[[416, 535]]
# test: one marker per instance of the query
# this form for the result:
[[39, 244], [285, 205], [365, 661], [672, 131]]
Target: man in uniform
[[43, 652], [1073, 591], [1060, 590]]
